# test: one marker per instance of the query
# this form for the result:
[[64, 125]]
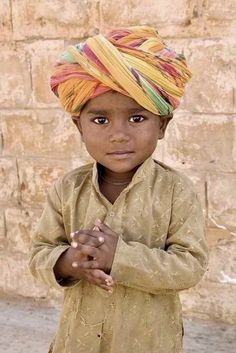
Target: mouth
[[120, 154]]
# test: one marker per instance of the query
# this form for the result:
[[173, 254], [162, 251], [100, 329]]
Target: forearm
[[180, 263], [155, 270], [43, 258]]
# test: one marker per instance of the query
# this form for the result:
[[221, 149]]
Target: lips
[[120, 152]]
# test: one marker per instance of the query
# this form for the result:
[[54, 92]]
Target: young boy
[[123, 235]]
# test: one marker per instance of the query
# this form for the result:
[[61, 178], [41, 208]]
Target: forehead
[[111, 101]]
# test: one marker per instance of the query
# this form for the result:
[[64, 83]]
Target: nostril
[[119, 137]]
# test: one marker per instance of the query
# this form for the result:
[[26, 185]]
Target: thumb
[[103, 227]]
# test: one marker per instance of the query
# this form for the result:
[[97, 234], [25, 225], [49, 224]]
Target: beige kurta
[[161, 250]]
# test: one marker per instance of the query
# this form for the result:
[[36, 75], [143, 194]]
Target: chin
[[122, 167]]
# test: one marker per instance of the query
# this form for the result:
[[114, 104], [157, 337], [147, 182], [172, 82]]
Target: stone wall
[[38, 142]]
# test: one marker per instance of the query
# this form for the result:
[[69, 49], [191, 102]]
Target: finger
[[95, 233], [107, 289], [109, 282], [99, 278], [85, 236], [74, 244], [75, 264], [88, 250], [90, 265], [85, 249], [104, 227], [91, 238], [102, 276], [72, 234]]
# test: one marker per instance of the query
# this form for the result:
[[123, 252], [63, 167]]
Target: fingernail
[[72, 234], [96, 228], [101, 239], [74, 264], [74, 244], [109, 282], [99, 221], [110, 291]]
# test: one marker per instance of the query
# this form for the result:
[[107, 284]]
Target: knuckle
[[81, 238], [91, 265], [96, 274]]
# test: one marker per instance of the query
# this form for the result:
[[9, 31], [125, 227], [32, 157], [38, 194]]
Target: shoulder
[[73, 179], [75, 176], [173, 178]]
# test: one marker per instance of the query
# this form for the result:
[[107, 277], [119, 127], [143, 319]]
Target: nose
[[119, 131]]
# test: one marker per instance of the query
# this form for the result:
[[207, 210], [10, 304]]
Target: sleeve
[[183, 261], [49, 241]]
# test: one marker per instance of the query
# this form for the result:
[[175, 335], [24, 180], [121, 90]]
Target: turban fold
[[133, 61]]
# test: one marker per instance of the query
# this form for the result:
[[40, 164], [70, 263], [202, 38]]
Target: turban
[[133, 61]]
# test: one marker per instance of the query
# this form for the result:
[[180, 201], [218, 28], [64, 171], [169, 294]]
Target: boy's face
[[118, 132]]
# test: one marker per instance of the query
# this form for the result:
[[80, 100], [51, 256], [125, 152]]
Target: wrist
[[61, 268]]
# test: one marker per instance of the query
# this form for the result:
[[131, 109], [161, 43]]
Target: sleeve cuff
[[120, 262], [47, 273]]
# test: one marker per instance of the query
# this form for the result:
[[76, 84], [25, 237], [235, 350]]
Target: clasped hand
[[98, 247], [90, 256]]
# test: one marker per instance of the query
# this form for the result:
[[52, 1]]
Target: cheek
[[92, 140], [149, 136]]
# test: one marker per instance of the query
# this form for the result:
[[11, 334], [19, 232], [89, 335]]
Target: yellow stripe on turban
[[133, 61]]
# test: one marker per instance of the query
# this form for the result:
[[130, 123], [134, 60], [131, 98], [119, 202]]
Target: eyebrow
[[102, 111]]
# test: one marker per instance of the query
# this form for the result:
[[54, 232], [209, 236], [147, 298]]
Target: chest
[[140, 214], [111, 192]]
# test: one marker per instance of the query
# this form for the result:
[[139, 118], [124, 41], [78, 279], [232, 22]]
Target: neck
[[114, 178]]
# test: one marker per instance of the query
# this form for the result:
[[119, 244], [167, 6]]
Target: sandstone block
[[16, 279], [9, 193], [15, 77], [222, 201], [210, 301], [212, 19], [2, 230], [46, 133], [36, 177], [234, 138], [216, 235], [1, 141], [5, 20], [202, 142], [199, 182], [54, 19], [222, 244], [222, 12], [213, 66], [43, 56], [20, 224], [157, 13]]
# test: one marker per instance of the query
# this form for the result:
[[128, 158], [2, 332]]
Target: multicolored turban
[[133, 61]]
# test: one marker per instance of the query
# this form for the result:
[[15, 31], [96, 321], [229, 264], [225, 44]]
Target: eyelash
[[134, 116]]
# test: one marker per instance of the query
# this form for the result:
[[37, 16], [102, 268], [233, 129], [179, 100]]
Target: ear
[[163, 125], [77, 122]]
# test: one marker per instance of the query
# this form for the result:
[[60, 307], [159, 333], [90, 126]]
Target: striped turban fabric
[[133, 61]]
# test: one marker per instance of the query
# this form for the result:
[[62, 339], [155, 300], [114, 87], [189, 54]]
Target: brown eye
[[136, 118], [100, 121]]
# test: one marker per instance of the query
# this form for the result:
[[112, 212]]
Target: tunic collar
[[145, 170]]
